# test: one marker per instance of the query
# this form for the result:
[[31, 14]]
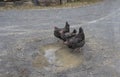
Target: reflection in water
[[50, 55], [57, 57]]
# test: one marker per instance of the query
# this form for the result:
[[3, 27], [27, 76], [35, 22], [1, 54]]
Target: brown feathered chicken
[[59, 31], [77, 41]]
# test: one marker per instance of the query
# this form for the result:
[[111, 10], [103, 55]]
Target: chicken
[[59, 31], [65, 29], [66, 36], [81, 34], [76, 41]]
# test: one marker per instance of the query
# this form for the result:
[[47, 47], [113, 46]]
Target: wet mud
[[57, 57]]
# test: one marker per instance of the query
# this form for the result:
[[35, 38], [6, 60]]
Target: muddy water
[[57, 57]]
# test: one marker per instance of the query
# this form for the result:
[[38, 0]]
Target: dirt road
[[23, 33]]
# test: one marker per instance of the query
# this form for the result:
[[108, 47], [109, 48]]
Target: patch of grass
[[67, 5]]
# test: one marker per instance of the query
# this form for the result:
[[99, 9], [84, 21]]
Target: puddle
[[57, 57]]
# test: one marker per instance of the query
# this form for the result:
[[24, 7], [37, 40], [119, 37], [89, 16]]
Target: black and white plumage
[[76, 41], [67, 36], [59, 31], [71, 39]]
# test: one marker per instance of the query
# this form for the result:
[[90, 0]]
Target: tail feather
[[67, 25], [80, 30], [74, 31]]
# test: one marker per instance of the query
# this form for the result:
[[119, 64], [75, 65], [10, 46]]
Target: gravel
[[22, 32]]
